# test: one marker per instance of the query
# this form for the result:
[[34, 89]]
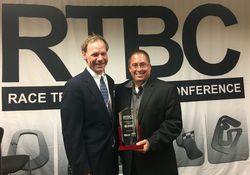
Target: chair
[[12, 163]]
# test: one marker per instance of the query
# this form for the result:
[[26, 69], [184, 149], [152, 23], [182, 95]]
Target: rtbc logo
[[12, 42]]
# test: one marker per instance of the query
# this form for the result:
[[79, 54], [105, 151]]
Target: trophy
[[129, 131]]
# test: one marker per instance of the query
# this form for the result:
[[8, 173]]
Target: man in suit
[[86, 115], [159, 117]]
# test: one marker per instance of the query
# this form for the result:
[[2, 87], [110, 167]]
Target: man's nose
[[138, 68], [99, 57]]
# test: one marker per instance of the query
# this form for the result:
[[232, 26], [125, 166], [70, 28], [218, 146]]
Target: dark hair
[[93, 38], [139, 51]]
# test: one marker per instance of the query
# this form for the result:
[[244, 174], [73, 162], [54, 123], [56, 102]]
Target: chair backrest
[[1, 134], [1, 137]]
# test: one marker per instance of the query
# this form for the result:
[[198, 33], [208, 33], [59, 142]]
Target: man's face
[[96, 56], [139, 68]]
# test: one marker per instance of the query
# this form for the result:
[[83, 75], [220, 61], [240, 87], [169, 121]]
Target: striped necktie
[[105, 95], [104, 91]]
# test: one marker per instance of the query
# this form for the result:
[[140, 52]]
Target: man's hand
[[145, 144]]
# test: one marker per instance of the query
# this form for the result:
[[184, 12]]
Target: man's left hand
[[145, 144]]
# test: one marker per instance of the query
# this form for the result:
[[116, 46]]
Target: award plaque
[[129, 131]]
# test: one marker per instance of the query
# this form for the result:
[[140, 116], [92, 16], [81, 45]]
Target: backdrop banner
[[200, 46]]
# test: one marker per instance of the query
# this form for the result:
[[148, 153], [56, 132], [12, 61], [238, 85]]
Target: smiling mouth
[[139, 75], [100, 65]]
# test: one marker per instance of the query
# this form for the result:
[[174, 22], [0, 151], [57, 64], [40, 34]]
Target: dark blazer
[[87, 127], [161, 122]]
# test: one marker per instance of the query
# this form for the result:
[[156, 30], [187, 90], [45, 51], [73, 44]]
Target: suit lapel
[[148, 91], [111, 89], [126, 94], [91, 84]]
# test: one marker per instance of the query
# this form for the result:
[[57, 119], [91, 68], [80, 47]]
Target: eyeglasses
[[141, 65]]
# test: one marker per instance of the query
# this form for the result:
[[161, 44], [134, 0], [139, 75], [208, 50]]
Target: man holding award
[[149, 120]]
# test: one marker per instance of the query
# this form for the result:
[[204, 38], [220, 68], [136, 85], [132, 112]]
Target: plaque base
[[123, 147], [129, 147]]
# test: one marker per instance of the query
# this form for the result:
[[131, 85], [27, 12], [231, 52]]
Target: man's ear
[[129, 68], [84, 56]]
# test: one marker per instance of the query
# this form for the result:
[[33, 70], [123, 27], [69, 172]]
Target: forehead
[[95, 44], [138, 57]]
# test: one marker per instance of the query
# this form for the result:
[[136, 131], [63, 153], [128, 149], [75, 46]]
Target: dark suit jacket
[[87, 127], [161, 122]]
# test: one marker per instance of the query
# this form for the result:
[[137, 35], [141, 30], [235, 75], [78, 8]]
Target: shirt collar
[[95, 75], [130, 84]]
